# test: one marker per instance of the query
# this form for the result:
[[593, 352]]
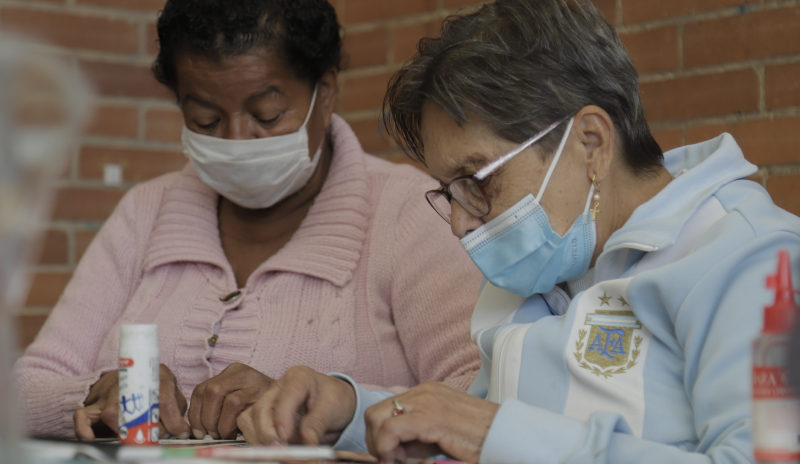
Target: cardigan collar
[[326, 246]]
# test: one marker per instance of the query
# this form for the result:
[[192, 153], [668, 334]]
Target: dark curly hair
[[305, 33]]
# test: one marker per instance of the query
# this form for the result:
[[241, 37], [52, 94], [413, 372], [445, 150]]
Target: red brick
[[151, 45], [653, 50], [369, 134], [124, 80], [742, 37], [607, 8], [164, 125], [668, 139], [701, 96], [785, 192], [46, 288], [406, 38], [114, 121], [53, 248], [85, 204], [364, 93], [768, 141], [366, 48], [782, 85], [73, 31], [634, 11], [27, 329], [356, 11], [82, 241], [137, 165], [145, 5]]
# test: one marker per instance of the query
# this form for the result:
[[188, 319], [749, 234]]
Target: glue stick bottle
[[776, 407], [138, 384]]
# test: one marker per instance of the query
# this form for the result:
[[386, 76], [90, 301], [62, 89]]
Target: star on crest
[[604, 299], [624, 302]]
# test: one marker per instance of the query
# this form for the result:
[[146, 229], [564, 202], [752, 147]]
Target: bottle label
[[138, 398], [776, 416]]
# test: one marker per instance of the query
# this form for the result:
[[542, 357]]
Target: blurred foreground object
[[43, 105], [776, 407]]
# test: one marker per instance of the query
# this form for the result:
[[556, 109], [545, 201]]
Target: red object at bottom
[[774, 456]]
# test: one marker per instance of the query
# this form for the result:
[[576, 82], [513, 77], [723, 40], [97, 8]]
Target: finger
[[195, 408], [294, 393], [316, 422], [245, 424], [84, 418], [233, 405], [213, 397], [110, 409], [172, 419], [374, 417], [394, 432], [262, 415]]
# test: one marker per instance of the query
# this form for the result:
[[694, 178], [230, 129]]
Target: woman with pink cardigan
[[280, 243]]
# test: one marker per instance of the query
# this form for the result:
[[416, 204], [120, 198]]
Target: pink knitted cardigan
[[372, 285]]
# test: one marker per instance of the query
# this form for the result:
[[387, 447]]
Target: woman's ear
[[327, 92], [596, 131]]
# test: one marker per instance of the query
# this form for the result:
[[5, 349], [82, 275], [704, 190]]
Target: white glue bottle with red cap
[[776, 407], [139, 379]]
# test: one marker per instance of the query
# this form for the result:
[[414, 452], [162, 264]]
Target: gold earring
[[596, 199]]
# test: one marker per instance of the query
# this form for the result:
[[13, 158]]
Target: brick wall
[[707, 66]]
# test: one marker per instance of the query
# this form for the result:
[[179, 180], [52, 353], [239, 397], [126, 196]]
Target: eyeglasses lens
[[467, 193], [439, 203]]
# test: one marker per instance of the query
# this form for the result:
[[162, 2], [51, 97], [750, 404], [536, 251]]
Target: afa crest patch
[[609, 343]]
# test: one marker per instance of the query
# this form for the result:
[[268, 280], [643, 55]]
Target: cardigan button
[[231, 296], [212, 342]]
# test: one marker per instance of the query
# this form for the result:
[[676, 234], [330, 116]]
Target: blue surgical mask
[[518, 251]]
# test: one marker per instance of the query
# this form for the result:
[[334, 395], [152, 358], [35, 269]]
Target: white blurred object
[[43, 105], [112, 175]]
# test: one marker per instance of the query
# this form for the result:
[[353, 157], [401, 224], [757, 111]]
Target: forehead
[[241, 74], [452, 151]]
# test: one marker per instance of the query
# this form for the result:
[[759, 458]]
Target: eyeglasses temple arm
[[489, 168]]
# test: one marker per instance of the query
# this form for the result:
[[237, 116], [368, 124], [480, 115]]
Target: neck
[[266, 224], [622, 193]]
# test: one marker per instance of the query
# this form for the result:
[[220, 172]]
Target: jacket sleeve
[[715, 324], [55, 374], [434, 288]]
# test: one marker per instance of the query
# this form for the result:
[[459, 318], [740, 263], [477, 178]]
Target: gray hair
[[518, 66]]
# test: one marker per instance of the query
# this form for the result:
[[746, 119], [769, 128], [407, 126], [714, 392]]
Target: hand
[[304, 407], [102, 407], [436, 419], [217, 402]]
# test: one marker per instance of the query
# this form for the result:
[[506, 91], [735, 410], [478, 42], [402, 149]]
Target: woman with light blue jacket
[[624, 285]]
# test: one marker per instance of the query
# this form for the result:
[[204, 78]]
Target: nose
[[461, 221], [239, 128]]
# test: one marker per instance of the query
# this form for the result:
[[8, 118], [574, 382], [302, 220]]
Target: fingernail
[[282, 434], [214, 435], [198, 434], [183, 435]]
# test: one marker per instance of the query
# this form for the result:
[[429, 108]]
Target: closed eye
[[269, 121], [208, 126]]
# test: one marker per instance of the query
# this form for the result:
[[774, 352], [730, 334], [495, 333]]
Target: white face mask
[[254, 173]]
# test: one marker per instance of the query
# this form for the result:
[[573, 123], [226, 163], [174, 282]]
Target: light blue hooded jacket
[[652, 363]]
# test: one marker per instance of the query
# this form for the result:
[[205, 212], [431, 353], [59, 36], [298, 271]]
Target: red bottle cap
[[781, 316]]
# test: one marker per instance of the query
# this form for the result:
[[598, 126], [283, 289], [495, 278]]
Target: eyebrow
[[470, 163], [269, 91]]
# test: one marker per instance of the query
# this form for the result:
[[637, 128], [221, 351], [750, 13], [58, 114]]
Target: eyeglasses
[[467, 190]]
